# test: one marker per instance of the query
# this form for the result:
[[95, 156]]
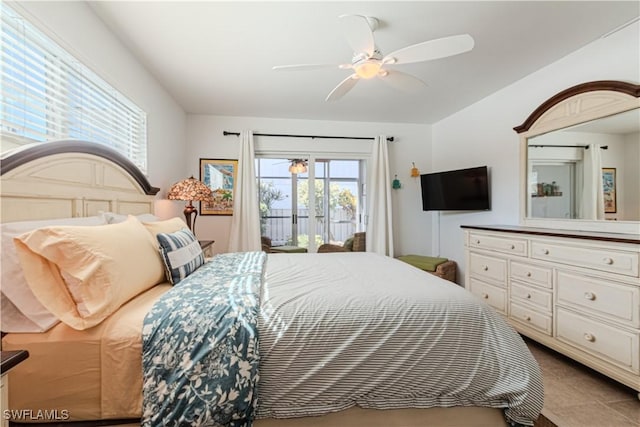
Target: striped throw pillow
[[181, 253]]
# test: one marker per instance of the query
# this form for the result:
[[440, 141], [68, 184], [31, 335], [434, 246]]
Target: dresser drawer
[[536, 297], [494, 296], [535, 274], [486, 267], [531, 318], [613, 344], [502, 244], [599, 259], [616, 301]]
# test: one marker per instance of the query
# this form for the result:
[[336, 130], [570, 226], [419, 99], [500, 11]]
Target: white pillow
[[21, 310], [14, 321], [114, 218]]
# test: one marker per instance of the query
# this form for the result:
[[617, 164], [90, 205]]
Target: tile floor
[[576, 396]]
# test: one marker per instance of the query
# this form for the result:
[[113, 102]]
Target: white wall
[[412, 227], [478, 135], [482, 134], [75, 27], [630, 195]]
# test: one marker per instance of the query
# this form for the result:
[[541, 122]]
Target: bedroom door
[[552, 196]]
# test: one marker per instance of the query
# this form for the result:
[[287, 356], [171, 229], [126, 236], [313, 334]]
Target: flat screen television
[[456, 190]]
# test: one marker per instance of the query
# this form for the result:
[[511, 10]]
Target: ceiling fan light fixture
[[368, 69], [298, 166], [368, 61]]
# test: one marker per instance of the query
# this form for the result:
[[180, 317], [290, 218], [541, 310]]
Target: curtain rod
[[586, 147], [389, 138]]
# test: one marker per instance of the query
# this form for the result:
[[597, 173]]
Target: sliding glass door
[[303, 210], [338, 201], [278, 201]]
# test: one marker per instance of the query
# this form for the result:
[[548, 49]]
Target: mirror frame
[[578, 104]]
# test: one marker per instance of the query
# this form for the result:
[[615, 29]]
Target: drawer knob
[[485, 296], [527, 318], [528, 296], [513, 246], [545, 251], [589, 337], [477, 241], [485, 267], [528, 274], [590, 296], [608, 261]]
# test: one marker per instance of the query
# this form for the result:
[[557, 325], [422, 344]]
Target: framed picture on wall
[[220, 176], [609, 188]]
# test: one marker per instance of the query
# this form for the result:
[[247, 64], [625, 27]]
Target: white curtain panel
[[380, 223], [592, 190], [245, 224]]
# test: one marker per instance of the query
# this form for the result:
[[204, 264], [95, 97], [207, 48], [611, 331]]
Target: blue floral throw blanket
[[200, 346]]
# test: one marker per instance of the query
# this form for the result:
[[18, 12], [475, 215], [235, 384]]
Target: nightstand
[[10, 359], [207, 247]]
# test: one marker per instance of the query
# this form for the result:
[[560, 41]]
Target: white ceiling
[[216, 57]]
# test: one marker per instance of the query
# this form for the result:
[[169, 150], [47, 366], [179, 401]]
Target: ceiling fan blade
[[358, 32], [345, 86], [403, 81], [304, 67], [432, 49]]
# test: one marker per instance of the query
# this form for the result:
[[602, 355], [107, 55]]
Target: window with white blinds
[[49, 95]]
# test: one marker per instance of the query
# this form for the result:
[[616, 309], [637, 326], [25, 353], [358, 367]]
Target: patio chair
[[356, 243], [266, 244]]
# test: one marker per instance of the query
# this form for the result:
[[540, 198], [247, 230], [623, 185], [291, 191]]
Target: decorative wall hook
[[396, 183], [414, 171]]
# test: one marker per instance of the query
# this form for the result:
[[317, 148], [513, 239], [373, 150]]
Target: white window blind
[[49, 95]]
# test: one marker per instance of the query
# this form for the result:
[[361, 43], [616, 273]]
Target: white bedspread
[[345, 329]]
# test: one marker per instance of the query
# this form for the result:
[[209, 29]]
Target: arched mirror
[[580, 160]]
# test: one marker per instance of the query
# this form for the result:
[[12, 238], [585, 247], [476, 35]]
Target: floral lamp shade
[[190, 189]]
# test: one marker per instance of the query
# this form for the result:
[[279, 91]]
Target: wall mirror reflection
[[565, 170]]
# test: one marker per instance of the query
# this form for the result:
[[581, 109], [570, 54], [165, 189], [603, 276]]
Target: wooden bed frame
[[71, 179], [76, 179]]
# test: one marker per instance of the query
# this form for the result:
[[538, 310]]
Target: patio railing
[[277, 226]]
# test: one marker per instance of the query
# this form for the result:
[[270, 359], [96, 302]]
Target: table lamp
[[190, 189]]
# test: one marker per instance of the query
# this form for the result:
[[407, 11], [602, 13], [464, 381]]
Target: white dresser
[[576, 292]]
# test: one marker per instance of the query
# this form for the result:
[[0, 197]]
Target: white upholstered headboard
[[66, 179]]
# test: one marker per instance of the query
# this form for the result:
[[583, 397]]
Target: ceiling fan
[[295, 165], [369, 62], [298, 166]]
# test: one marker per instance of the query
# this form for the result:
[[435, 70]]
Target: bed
[[336, 347]]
